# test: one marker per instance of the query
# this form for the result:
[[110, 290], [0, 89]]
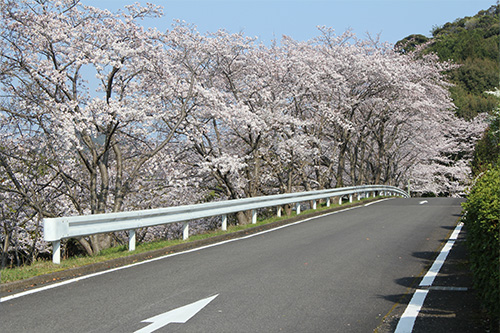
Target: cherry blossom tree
[[444, 167], [398, 108], [96, 144]]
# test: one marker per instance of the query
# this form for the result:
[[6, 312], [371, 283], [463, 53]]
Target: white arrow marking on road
[[423, 202], [180, 315]]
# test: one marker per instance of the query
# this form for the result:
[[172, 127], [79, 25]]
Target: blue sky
[[269, 19]]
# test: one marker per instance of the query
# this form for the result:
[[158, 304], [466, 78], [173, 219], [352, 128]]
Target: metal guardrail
[[56, 229]]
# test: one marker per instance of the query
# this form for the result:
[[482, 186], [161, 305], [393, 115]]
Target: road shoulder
[[451, 305]]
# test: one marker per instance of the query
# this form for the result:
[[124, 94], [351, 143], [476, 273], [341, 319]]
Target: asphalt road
[[337, 273]]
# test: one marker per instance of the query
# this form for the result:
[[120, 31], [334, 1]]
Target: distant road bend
[[342, 272]]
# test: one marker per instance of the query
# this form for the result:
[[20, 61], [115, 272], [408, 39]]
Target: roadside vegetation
[[483, 230]]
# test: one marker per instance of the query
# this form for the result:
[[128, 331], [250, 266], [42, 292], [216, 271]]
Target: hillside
[[472, 42]]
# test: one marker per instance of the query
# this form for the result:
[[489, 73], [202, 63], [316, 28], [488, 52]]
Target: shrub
[[482, 224]]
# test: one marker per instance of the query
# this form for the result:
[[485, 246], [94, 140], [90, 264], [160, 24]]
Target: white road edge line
[[84, 277], [405, 324], [438, 263], [407, 320], [374, 202]]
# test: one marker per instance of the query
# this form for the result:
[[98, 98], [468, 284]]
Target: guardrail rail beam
[[56, 229]]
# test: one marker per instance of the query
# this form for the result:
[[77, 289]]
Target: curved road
[[337, 273]]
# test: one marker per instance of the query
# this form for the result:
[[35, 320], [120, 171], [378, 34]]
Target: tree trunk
[[340, 171], [101, 242], [86, 245], [243, 218], [5, 249]]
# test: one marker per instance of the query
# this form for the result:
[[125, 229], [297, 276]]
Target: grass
[[41, 267]]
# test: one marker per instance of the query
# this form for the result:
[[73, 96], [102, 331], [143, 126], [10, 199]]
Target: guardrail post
[[297, 208], [359, 196], [254, 216], [328, 203], [131, 240], [224, 222], [185, 230], [350, 197], [56, 252], [314, 204], [340, 200], [278, 213]]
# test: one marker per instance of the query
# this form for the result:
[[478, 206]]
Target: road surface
[[337, 273]]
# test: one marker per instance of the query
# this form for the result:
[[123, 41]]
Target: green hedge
[[482, 225]]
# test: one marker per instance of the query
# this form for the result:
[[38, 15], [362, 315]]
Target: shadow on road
[[452, 304]]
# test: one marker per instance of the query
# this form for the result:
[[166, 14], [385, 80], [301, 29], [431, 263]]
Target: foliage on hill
[[472, 42]]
